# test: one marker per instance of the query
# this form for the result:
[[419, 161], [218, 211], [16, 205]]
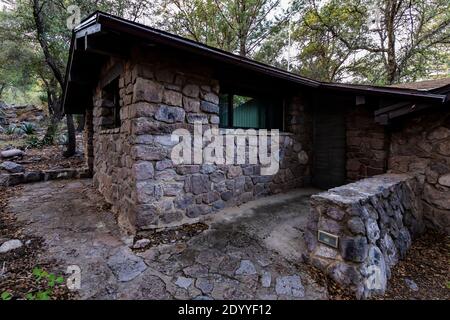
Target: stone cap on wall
[[357, 232]]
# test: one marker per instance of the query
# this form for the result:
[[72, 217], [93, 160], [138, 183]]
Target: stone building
[[137, 85]]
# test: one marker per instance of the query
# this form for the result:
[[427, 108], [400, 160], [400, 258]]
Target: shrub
[[27, 128], [12, 129], [33, 142]]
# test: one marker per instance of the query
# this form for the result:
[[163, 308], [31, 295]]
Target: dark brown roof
[[424, 85], [111, 34]]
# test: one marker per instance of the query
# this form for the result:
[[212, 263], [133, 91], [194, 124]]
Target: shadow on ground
[[251, 252]]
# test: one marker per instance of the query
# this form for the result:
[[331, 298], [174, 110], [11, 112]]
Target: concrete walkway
[[250, 252]]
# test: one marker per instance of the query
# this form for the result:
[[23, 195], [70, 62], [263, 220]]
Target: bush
[[27, 128], [12, 129], [33, 142]]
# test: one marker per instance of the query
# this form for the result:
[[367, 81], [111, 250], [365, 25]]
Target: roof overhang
[[102, 35]]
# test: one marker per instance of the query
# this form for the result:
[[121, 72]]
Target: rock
[[372, 230], [191, 105], [198, 184], [183, 282], [125, 265], [389, 250], [12, 167], [375, 273], [191, 90], [354, 249], [211, 97], [143, 170], [12, 153], [142, 243], [10, 245], [169, 114], [335, 213], [147, 90], [444, 180], [163, 164], [209, 107], [290, 286], [205, 285], [246, 268], [196, 118], [266, 279], [172, 98], [214, 119], [411, 284], [439, 133], [436, 197], [303, 157], [356, 226], [234, 171]]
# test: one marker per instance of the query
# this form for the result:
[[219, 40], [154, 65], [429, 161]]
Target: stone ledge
[[8, 180], [375, 220]]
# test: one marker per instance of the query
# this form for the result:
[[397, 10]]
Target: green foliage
[[27, 128], [373, 41], [48, 280], [43, 279], [6, 296], [11, 129], [240, 26], [34, 142]]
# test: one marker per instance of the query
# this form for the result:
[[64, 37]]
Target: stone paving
[[251, 252]]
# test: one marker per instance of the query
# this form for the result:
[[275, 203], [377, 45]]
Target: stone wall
[[421, 145], [132, 164], [112, 162], [375, 219], [367, 144]]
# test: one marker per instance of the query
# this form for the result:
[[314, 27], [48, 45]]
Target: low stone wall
[[8, 180], [375, 220]]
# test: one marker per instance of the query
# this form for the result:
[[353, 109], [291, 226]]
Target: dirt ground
[[47, 157], [250, 252]]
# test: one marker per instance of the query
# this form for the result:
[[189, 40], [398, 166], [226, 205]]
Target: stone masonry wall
[[375, 219], [112, 162], [159, 93], [421, 145], [367, 144]]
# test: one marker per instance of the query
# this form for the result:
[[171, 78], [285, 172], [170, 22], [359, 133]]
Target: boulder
[[12, 153], [12, 167], [10, 245]]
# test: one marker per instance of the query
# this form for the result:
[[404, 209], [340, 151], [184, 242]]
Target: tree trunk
[[392, 67], [81, 121], [71, 144], [51, 61], [55, 117]]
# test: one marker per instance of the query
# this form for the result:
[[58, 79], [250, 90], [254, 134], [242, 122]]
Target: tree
[[240, 26], [387, 41], [41, 26]]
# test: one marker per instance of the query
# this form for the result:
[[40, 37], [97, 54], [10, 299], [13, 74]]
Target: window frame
[[112, 89], [230, 110]]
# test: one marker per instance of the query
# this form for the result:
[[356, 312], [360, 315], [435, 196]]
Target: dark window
[[111, 97], [248, 111]]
